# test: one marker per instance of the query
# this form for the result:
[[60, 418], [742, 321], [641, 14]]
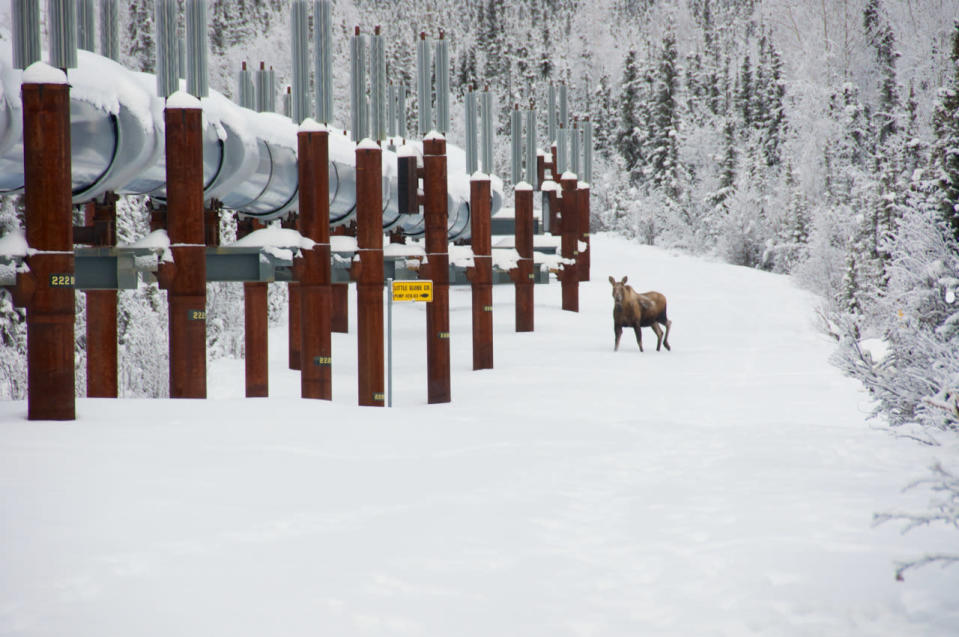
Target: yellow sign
[[413, 291]]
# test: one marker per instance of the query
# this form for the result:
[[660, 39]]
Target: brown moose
[[632, 309]]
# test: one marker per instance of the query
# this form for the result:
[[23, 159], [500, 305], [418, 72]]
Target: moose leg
[[669, 324], [659, 336], [639, 336], [619, 333]]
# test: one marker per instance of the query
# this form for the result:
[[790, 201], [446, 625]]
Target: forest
[[818, 140]]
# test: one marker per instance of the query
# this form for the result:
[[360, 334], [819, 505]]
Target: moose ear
[[624, 280], [612, 281]]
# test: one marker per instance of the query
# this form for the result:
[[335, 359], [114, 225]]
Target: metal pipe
[[369, 286], [109, 29], [313, 161], [472, 157], [481, 277], [246, 92], [423, 86], [574, 148], [437, 313], [299, 48], [358, 107], [442, 71], [563, 105], [49, 230], [401, 128], [551, 115], [26, 32], [562, 148], [486, 131], [186, 291], [197, 80], [391, 110], [588, 150], [516, 145], [263, 89], [86, 32], [531, 171], [323, 60], [378, 86], [62, 28], [167, 78]]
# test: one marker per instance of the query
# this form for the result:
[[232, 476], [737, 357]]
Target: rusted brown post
[[316, 353], [340, 321], [294, 313], [481, 274], [369, 284], [255, 327], [569, 273], [51, 376], [341, 295], [186, 293], [523, 274], [101, 218], [582, 259], [438, 269]]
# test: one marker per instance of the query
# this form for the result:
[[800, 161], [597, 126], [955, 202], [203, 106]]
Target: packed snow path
[[724, 488]]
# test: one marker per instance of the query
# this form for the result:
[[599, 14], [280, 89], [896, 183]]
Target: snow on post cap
[[523, 186], [434, 135], [406, 150], [310, 125], [568, 175], [367, 144], [43, 73], [182, 99], [479, 176]]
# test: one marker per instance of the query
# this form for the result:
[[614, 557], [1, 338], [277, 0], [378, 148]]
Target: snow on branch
[[943, 508]]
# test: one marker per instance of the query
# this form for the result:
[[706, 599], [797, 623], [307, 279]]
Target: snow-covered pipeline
[[249, 158]]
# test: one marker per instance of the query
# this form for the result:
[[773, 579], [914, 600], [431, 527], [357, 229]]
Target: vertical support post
[[438, 268], [294, 329], [583, 258], [341, 308], [481, 274], [186, 295], [102, 309], [51, 376], [255, 327], [524, 267], [256, 335], [316, 303], [570, 229], [369, 285]]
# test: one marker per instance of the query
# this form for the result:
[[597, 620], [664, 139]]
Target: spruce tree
[[945, 150], [629, 138]]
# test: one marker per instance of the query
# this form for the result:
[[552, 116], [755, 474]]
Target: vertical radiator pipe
[[424, 95], [26, 32], [109, 29], [472, 157], [323, 60]]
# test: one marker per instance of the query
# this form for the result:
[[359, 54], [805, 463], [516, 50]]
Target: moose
[[632, 309]]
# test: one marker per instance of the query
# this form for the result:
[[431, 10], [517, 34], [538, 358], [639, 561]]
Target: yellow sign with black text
[[413, 291]]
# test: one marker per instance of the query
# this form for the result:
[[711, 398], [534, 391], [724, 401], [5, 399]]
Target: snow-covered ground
[[724, 488]]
